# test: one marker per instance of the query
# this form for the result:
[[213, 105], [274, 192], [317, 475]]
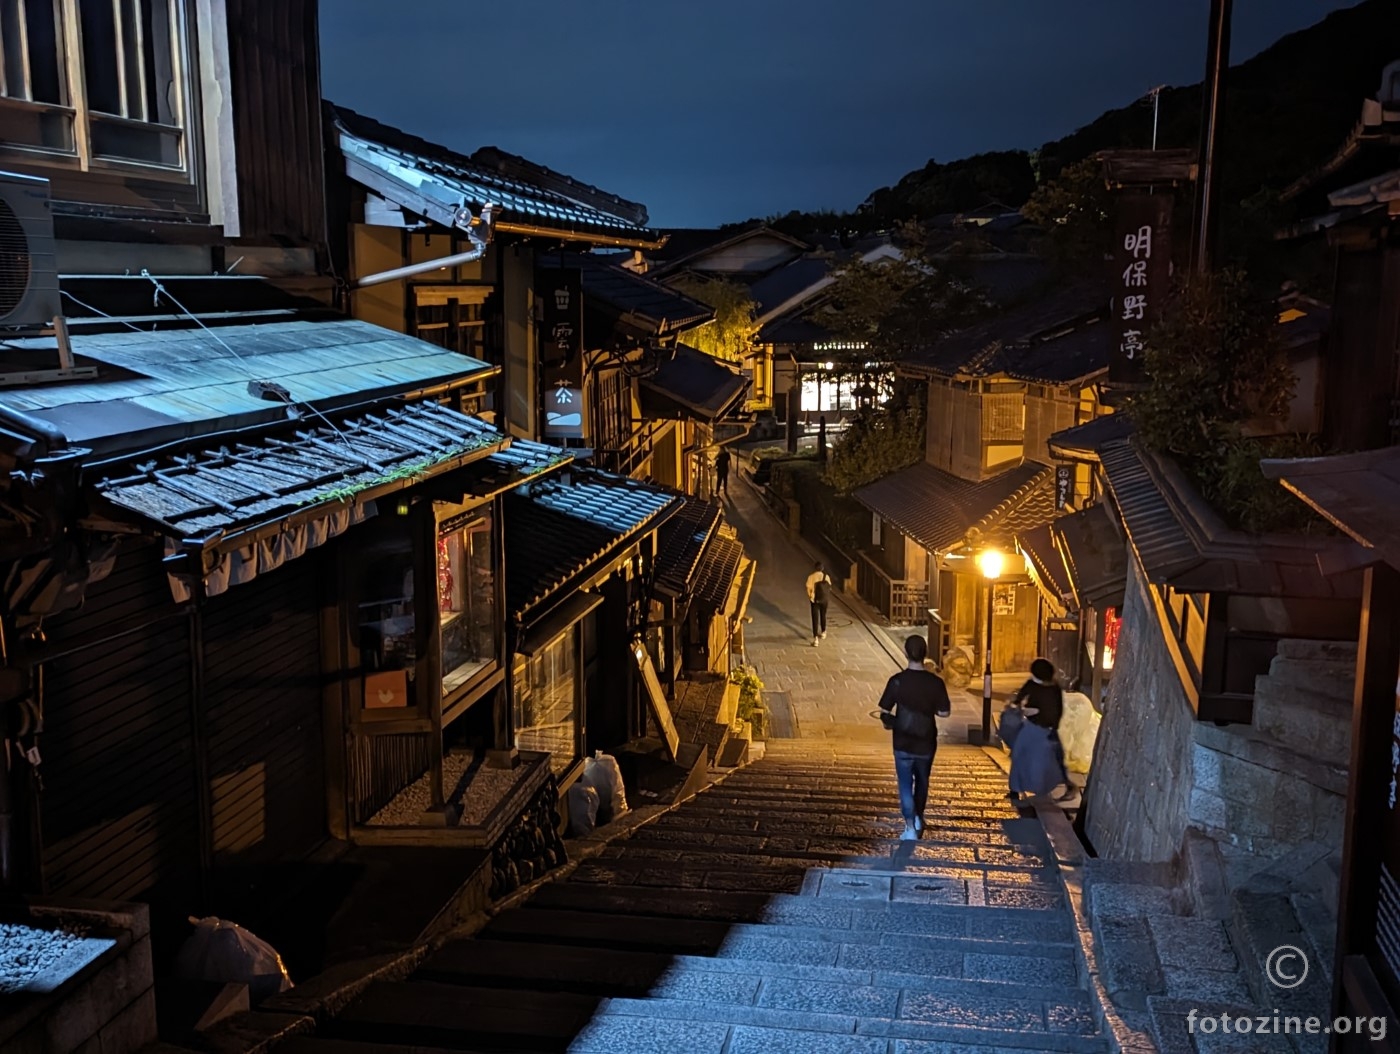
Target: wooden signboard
[[656, 699], [1141, 278]]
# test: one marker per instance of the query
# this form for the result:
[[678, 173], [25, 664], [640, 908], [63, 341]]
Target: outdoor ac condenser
[[28, 265]]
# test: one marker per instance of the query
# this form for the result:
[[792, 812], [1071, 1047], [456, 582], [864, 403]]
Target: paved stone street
[[833, 687]]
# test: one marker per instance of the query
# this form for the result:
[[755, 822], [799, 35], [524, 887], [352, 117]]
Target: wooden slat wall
[[262, 680], [120, 813], [275, 69], [381, 767]]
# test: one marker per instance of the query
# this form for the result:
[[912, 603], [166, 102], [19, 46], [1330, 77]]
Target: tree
[[1215, 371], [1076, 212], [730, 335], [877, 443]]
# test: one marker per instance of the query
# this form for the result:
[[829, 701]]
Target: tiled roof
[[715, 576], [1360, 493], [513, 166], [1083, 442], [652, 304], [433, 181], [680, 543], [775, 289], [1094, 554], [193, 380], [237, 486], [686, 243], [697, 383], [1074, 356], [977, 350], [558, 528], [937, 509]]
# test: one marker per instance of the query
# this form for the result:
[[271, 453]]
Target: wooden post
[[428, 686], [1372, 721]]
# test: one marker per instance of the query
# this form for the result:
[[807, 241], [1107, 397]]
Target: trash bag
[[1079, 728], [225, 952], [583, 808], [604, 775]]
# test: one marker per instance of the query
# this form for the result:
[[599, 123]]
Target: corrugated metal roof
[[695, 382], [1094, 554], [937, 509], [235, 487], [442, 183], [560, 527], [663, 309], [187, 380], [1039, 548], [681, 542], [1180, 541], [1083, 442]]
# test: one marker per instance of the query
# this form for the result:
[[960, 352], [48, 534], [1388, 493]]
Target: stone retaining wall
[[1139, 792]]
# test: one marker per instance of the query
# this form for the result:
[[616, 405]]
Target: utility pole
[[1212, 110], [1155, 95]]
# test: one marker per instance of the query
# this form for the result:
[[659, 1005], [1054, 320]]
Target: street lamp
[[989, 562]]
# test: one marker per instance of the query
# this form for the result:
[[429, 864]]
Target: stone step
[[930, 919], [1335, 651], [1313, 724], [671, 876], [1319, 922], [930, 849], [1171, 1029], [805, 1020], [1260, 925], [430, 1013], [326, 1045], [1321, 678]]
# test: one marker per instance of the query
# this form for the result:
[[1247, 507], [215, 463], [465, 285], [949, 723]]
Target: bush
[[824, 512]]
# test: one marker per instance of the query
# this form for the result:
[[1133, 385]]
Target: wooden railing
[[903, 601]]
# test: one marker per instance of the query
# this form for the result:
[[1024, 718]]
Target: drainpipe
[[471, 256]]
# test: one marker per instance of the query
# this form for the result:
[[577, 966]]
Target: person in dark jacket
[[722, 472], [913, 698], [1043, 703]]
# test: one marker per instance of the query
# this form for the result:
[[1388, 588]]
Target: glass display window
[[466, 583], [386, 624], [547, 698]]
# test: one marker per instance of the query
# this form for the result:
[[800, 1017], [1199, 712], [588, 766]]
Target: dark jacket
[[920, 696], [1047, 698]]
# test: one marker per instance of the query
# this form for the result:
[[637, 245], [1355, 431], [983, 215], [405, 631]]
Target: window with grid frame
[[612, 412], [100, 83], [452, 317], [1003, 417]]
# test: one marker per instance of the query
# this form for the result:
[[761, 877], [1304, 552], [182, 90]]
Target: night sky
[[710, 111]]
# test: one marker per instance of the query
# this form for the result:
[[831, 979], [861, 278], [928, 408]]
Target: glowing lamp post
[[989, 562]]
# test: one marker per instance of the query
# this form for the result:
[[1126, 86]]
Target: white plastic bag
[[603, 773], [1079, 728], [225, 952], [583, 808]]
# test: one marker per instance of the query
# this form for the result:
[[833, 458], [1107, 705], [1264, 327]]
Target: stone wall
[[1140, 785]]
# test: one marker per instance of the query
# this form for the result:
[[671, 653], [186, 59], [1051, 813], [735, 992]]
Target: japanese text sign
[[1141, 272]]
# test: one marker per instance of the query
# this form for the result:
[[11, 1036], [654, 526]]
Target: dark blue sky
[[710, 111]]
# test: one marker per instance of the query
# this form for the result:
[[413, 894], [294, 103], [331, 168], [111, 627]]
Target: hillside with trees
[[1287, 109]]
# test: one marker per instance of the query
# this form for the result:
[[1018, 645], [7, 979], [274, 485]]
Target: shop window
[[386, 623], [466, 598], [547, 700], [133, 92]]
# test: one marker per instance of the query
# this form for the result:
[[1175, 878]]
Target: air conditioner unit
[[28, 265]]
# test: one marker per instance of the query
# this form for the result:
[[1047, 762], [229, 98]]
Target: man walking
[[722, 472], [818, 593], [913, 698]]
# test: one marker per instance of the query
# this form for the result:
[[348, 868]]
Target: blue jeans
[[911, 770]]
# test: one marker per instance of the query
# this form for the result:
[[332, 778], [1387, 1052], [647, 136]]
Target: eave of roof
[[1358, 493], [938, 510]]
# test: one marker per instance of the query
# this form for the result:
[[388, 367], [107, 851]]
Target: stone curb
[[300, 1011], [1069, 865]]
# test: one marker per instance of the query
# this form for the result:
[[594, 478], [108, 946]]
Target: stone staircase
[[775, 911]]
